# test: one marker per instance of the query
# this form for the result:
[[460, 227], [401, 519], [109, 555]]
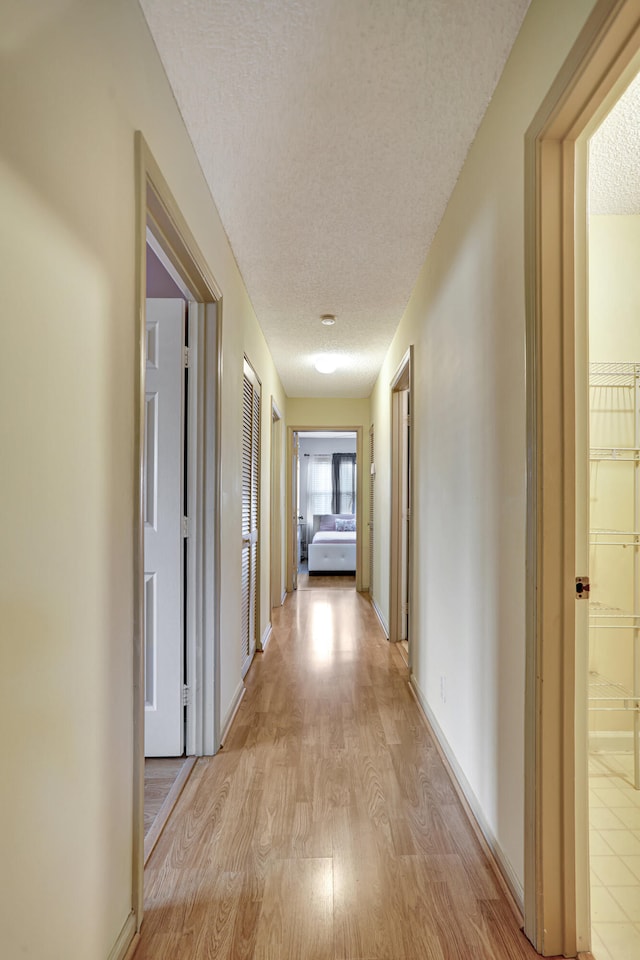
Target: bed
[[333, 545]]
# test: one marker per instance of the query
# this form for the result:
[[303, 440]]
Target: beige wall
[[77, 78], [614, 335], [466, 318]]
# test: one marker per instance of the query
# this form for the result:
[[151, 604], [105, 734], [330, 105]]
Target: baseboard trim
[[378, 614], [125, 945], [266, 636], [133, 946], [285, 594], [509, 883], [233, 709], [165, 810]]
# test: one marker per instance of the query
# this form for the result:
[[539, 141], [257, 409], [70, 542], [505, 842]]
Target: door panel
[[250, 512], [162, 512]]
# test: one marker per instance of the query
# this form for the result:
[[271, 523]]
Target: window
[[319, 485]]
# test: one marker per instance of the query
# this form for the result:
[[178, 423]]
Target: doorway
[[400, 582], [325, 497], [613, 480], [168, 576], [193, 409], [557, 890], [277, 511]]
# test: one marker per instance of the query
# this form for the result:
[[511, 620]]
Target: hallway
[[327, 827]]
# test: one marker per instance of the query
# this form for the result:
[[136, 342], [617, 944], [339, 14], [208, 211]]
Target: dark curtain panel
[[344, 483]]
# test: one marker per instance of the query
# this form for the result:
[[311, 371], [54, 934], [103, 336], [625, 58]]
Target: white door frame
[[401, 382], [291, 530], [604, 58], [157, 209]]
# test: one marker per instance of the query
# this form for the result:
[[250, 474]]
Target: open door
[[163, 535]]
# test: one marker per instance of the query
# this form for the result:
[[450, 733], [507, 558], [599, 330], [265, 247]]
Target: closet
[[614, 606]]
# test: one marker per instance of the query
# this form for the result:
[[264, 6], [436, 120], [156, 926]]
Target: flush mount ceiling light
[[328, 319], [326, 364]]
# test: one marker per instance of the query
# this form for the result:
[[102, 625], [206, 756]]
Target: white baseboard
[[378, 614], [284, 596], [266, 636], [231, 712], [502, 867], [127, 941]]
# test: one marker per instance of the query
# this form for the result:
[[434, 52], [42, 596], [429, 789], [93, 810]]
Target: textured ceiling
[[331, 133], [614, 158]]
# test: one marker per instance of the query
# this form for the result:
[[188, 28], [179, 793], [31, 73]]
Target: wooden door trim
[[402, 380], [602, 61], [156, 206]]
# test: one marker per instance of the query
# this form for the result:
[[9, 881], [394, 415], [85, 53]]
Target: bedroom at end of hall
[[327, 504]]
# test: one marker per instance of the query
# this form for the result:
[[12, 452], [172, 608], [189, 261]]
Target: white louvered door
[[162, 510], [250, 511]]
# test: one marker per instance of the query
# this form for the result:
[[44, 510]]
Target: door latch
[[583, 588]]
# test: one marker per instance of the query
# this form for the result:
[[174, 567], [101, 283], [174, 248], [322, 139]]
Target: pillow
[[346, 526], [327, 521]]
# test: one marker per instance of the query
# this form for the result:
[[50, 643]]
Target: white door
[[163, 542], [250, 511]]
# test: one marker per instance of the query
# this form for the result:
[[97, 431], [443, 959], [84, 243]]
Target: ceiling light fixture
[[326, 365], [327, 319]]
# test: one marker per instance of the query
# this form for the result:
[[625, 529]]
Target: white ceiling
[[614, 158], [331, 133]]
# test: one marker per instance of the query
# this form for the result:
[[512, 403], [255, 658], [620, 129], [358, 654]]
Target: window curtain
[[344, 483]]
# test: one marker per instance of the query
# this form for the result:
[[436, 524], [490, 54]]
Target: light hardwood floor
[[327, 827], [160, 774]]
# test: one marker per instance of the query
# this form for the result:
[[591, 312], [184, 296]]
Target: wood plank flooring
[[327, 828], [328, 581], [160, 774]]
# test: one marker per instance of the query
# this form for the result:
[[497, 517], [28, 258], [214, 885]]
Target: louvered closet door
[[250, 511]]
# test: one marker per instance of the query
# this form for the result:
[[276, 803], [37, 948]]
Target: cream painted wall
[[338, 412], [614, 335], [77, 78], [466, 317]]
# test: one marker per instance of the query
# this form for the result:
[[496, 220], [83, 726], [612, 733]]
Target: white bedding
[[335, 536]]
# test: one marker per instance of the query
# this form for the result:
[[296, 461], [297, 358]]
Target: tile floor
[[614, 814]]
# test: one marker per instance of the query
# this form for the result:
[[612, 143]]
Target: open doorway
[[326, 500], [179, 479], [169, 575], [558, 911], [613, 477], [327, 515], [400, 584]]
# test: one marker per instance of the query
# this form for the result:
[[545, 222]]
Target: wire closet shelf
[[606, 695]]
